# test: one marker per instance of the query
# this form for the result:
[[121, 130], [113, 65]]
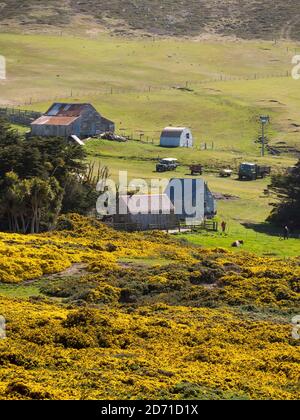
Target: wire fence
[[183, 86], [25, 117], [254, 76], [19, 116]]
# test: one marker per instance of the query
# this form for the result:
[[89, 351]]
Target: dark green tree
[[39, 157], [39, 178], [285, 188], [30, 205]]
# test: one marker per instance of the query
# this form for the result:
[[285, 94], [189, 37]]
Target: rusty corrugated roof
[[66, 110], [46, 120]]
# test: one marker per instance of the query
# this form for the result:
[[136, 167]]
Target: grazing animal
[[237, 244]]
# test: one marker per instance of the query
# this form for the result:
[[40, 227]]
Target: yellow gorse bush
[[149, 353], [29, 257], [145, 333]]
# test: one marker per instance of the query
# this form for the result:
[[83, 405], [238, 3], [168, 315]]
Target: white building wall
[[183, 138], [188, 197], [186, 139]]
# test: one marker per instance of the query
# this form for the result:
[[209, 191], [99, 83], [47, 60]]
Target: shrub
[[74, 338]]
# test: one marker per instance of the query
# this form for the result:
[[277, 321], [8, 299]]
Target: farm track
[[76, 270]]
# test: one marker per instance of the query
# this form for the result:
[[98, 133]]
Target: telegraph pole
[[264, 119]]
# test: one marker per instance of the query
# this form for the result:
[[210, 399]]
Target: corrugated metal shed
[[82, 120], [176, 137]]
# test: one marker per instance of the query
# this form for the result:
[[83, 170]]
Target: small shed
[[192, 199], [176, 137], [145, 212], [65, 120]]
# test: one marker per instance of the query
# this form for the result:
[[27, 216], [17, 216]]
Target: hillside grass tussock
[[246, 20]]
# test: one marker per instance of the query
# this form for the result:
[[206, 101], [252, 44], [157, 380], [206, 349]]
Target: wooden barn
[[145, 212], [176, 137], [65, 120]]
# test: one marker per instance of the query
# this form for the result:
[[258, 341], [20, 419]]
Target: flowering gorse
[[148, 318]]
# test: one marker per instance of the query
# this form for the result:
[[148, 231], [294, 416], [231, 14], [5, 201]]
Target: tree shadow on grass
[[271, 230], [264, 228]]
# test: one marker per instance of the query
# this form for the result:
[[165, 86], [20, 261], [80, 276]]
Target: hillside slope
[[245, 19]]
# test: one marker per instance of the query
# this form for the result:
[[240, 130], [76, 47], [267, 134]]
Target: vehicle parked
[[225, 173], [196, 169], [252, 171], [166, 165]]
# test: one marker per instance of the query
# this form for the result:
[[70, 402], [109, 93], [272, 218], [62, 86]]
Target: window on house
[[188, 136]]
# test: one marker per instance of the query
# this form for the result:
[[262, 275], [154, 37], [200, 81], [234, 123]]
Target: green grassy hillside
[[135, 83]]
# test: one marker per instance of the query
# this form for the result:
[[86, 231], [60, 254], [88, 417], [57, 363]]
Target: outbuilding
[[65, 120], [192, 199], [176, 137], [145, 212]]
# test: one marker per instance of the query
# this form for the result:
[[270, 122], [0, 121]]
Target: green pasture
[[262, 241], [23, 291], [135, 83], [40, 66]]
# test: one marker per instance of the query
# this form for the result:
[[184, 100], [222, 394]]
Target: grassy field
[[245, 218], [132, 82], [19, 291], [258, 243], [135, 83]]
